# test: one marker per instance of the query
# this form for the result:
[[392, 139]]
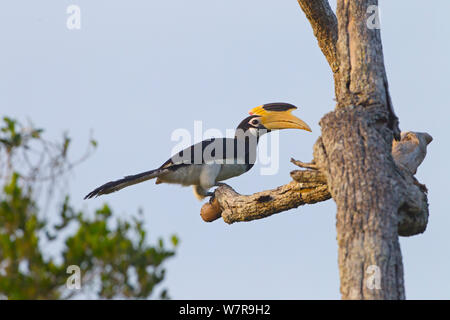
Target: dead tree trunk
[[355, 160], [355, 154]]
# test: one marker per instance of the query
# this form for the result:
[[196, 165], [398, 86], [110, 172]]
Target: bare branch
[[237, 208], [310, 186], [325, 27]]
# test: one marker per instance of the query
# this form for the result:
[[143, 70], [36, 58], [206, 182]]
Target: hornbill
[[204, 164]]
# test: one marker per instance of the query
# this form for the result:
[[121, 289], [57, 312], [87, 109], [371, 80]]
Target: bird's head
[[272, 116]]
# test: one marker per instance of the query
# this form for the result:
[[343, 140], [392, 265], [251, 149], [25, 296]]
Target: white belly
[[203, 174], [231, 170], [186, 176]]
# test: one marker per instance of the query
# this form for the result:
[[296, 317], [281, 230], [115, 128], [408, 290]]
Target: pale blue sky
[[139, 69]]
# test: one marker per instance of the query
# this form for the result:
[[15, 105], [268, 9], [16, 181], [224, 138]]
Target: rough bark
[[362, 178], [233, 207], [355, 154]]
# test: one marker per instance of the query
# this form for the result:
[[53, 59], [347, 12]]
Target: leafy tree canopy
[[113, 255]]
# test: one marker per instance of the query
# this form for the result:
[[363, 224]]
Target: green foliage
[[113, 255], [13, 137]]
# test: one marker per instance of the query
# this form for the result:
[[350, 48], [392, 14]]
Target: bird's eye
[[254, 122]]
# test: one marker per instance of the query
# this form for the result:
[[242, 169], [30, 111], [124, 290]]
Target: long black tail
[[116, 185]]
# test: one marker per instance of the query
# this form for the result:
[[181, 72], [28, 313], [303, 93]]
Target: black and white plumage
[[206, 163]]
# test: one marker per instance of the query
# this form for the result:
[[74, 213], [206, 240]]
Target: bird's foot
[[200, 193]]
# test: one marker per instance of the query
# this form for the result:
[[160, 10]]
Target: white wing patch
[[209, 174]]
